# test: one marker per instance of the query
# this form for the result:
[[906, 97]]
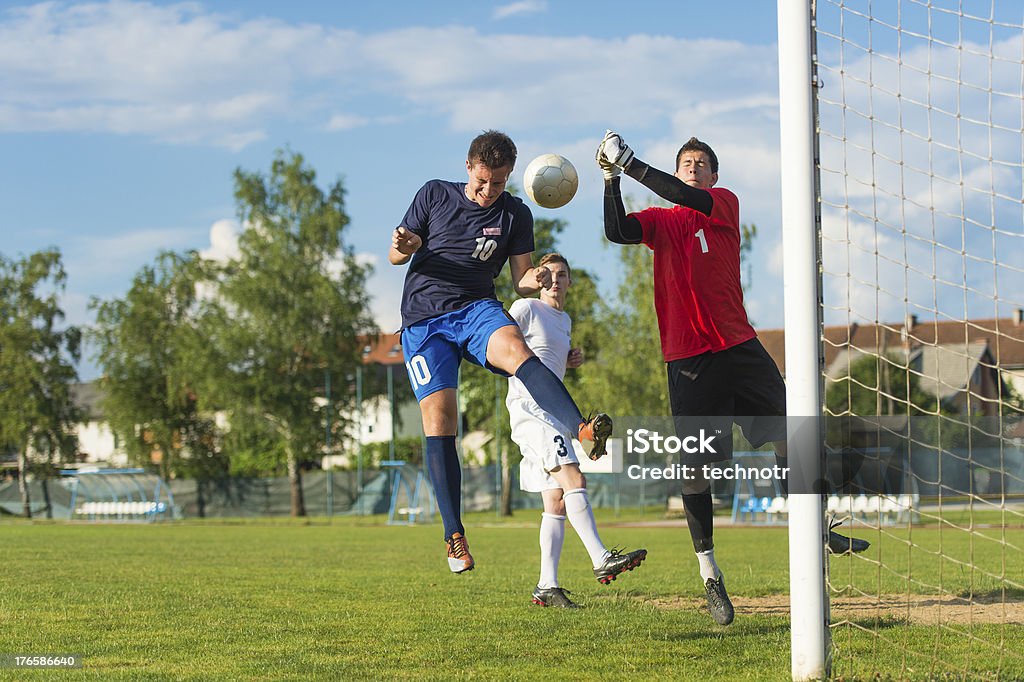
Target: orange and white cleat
[[459, 558], [596, 431]]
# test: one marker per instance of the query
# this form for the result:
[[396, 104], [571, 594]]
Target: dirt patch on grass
[[916, 609]]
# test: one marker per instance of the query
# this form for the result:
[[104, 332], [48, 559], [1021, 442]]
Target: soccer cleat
[[553, 596], [597, 430], [617, 563], [718, 601], [459, 558], [840, 544]]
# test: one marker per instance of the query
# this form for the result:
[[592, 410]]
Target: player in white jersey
[[550, 465]]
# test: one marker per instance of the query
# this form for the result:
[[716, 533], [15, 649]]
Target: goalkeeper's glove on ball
[[615, 150]]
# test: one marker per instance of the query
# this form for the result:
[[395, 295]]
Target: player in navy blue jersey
[[458, 236]]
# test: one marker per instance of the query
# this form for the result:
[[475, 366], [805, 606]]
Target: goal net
[[920, 135]]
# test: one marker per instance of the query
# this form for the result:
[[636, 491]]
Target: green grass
[[350, 598]]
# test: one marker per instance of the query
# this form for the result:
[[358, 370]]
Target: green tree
[[146, 343], [883, 386], [878, 385], [287, 315], [37, 356]]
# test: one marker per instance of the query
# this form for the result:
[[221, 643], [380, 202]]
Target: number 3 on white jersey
[[419, 373], [699, 234]]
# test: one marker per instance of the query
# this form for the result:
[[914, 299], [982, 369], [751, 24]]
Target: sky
[[121, 123]]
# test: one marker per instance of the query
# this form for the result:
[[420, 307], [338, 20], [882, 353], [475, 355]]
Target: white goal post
[[902, 166], [802, 287]]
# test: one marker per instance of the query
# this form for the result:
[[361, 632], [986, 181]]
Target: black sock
[[700, 520], [548, 392], [446, 477]]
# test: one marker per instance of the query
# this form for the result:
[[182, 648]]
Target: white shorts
[[544, 442]]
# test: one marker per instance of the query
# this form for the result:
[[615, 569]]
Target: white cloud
[[173, 72], [182, 74], [346, 122], [223, 241], [522, 7]]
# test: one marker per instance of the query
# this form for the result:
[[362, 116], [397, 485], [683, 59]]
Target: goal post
[[802, 298], [902, 154]]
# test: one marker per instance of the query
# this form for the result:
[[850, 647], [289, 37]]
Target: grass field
[[354, 599]]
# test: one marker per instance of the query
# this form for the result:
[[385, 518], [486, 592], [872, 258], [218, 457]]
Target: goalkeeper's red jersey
[[697, 291]]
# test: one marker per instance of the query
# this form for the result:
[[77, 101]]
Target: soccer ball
[[550, 181]]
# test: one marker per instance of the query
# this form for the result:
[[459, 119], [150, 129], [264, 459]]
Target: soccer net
[[920, 107]]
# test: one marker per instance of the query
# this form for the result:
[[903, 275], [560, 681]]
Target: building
[[961, 363], [96, 442]]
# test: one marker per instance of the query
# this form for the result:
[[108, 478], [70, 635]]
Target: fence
[[924, 472]]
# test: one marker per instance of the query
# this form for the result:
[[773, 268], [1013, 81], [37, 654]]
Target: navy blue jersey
[[465, 246]]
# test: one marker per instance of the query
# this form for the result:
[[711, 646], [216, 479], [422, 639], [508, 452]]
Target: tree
[[37, 356], [630, 381], [287, 312], [146, 344], [878, 386]]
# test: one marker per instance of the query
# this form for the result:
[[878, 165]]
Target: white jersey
[[547, 332]]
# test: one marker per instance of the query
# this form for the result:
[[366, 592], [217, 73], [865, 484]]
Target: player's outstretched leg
[[837, 544], [607, 563], [550, 394]]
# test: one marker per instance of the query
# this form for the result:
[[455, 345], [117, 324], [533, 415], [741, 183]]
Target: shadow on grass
[[995, 596], [713, 632], [879, 623]]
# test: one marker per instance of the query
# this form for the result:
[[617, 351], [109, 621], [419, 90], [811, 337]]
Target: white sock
[[577, 508], [552, 535], [708, 567]]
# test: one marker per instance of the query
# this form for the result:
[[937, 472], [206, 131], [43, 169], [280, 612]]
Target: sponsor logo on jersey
[[492, 231]]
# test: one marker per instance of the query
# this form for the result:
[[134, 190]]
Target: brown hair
[[695, 145], [493, 149]]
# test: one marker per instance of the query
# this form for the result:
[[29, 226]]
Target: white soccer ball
[[550, 181]]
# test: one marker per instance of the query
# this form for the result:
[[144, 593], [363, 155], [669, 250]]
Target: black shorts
[[741, 384]]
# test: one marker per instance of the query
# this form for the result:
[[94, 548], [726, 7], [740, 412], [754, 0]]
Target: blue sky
[[121, 123]]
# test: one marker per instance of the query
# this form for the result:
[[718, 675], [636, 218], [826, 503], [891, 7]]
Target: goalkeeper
[[718, 371]]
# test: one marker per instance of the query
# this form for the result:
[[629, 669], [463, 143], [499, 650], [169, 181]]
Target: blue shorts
[[433, 348]]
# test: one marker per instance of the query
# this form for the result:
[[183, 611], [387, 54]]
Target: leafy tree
[[146, 344], [37, 359], [878, 386], [287, 314], [883, 386], [631, 380]]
